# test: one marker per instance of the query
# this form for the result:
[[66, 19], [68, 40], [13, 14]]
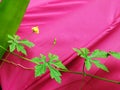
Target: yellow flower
[[35, 29]]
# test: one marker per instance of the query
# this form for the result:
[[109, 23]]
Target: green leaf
[[12, 47], [13, 39], [10, 41], [54, 60], [36, 60], [11, 14], [115, 54], [99, 54], [15, 42], [10, 37], [99, 65], [59, 64], [88, 64], [27, 43], [40, 69], [55, 74], [16, 37], [41, 59], [20, 48], [78, 51], [83, 52], [52, 57]]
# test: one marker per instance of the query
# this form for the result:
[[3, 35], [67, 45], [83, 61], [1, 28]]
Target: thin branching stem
[[93, 76], [67, 71], [83, 76], [13, 63], [5, 58], [24, 58]]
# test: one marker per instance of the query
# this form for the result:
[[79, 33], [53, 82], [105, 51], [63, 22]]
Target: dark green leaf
[[27, 43], [3, 48], [11, 13], [40, 69], [115, 54], [99, 65], [99, 54]]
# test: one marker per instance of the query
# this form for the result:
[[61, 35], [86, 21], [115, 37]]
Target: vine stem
[[24, 58], [93, 76], [67, 71], [53, 45], [13, 63], [5, 58], [83, 76]]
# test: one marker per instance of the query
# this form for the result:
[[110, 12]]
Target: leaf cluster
[[53, 64], [16, 43], [52, 61], [91, 57]]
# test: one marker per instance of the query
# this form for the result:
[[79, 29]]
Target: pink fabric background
[[94, 24]]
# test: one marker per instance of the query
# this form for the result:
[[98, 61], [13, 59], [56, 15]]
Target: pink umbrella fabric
[[94, 24]]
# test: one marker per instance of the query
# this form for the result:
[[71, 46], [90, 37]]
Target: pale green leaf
[[27, 43], [39, 70], [16, 37], [42, 58], [88, 64], [21, 49], [36, 60], [54, 60], [99, 65], [12, 47], [85, 51], [99, 54], [39, 60], [59, 64], [10, 37], [52, 57], [55, 74], [10, 41], [115, 54], [78, 51]]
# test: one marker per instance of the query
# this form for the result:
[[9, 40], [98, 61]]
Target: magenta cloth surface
[[94, 24]]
